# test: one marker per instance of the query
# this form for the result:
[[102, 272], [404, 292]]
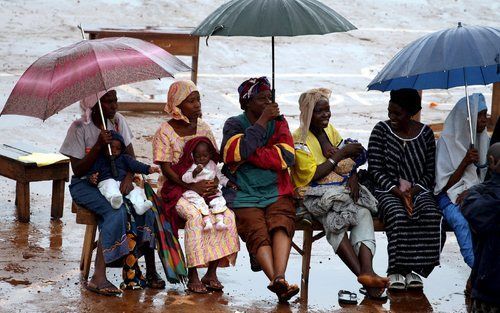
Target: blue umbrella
[[458, 56]]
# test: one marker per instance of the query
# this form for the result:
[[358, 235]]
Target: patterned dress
[[414, 242], [201, 247]]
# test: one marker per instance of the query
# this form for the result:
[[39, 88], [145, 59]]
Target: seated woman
[[257, 152], [401, 161], [319, 162], [455, 169], [84, 142], [213, 248]]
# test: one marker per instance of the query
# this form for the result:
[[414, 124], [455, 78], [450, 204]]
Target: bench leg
[[306, 262], [87, 249], [57, 199], [194, 67], [23, 201]]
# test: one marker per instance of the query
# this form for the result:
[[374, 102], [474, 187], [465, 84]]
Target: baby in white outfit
[[204, 168]]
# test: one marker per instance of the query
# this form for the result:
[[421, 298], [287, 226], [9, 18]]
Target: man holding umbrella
[[84, 141]]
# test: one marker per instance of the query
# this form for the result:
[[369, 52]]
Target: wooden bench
[[25, 172]]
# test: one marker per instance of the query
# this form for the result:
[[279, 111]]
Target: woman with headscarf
[[258, 151], [210, 249], [325, 166], [85, 141], [455, 169], [401, 161]]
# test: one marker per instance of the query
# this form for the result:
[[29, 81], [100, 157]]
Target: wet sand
[[39, 272]]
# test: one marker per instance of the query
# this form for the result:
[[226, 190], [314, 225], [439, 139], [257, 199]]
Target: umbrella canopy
[[270, 18], [71, 73], [267, 18], [458, 56]]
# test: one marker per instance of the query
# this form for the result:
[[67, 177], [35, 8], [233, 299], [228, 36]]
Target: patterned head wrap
[[307, 101], [177, 93], [250, 87]]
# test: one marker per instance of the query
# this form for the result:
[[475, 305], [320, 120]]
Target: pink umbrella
[[74, 72]]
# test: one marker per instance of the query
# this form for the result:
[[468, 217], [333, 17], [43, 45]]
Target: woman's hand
[[126, 185], [270, 112], [204, 188], [104, 138], [405, 197], [415, 190], [472, 156], [351, 150], [154, 169], [353, 186]]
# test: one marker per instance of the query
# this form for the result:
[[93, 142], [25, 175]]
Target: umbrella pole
[[114, 171], [273, 91], [469, 115]]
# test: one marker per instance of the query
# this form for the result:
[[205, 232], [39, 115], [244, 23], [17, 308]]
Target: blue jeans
[[112, 223], [460, 226]]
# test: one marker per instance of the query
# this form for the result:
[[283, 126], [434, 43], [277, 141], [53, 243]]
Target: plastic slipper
[[107, 290], [381, 297], [291, 291], [413, 281], [347, 297], [397, 282], [278, 285], [212, 285]]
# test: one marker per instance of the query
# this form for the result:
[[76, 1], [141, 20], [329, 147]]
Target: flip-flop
[[397, 282], [212, 285], [108, 290], [291, 291], [381, 297], [190, 289], [347, 297], [413, 281], [278, 285]]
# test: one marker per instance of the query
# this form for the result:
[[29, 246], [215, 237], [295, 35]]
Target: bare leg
[[99, 279], [281, 251], [211, 278], [194, 283], [367, 276], [348, 256], [265, 258]]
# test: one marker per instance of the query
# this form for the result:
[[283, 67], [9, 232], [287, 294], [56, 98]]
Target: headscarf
[[454, 143], [251, 87], [408, 99], [307, 101], [87, 104], [177, 93]]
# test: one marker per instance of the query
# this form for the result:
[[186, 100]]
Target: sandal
[[107, 290], [155, 281], [190, 288], [413, 281], [381, 297], [212, 284], [347, 297], [291, 291], [278, 285], [396, 282]]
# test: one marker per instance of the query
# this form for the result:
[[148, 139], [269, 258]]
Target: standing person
[[455, 169], [481, 208], [258, 152], [83, 144], [212, 248], [401, 160], [326, 168]]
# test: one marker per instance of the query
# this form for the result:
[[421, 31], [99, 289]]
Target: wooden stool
[[88, 218]]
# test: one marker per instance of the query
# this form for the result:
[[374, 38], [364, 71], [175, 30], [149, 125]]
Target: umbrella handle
[[216, 29], [114, 171]]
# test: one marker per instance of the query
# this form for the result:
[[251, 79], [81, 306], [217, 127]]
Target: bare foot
[[372, 280]]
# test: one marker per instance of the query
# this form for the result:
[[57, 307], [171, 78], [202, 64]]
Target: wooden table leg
[[57, 199], [23, 201], [194, 69]]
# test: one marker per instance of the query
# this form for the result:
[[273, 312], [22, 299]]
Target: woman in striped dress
[[401, 158]]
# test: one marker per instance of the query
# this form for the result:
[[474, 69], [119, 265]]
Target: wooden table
[[25, 172], [176, 41]]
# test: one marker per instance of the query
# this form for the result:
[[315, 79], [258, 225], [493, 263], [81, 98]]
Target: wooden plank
[[23, 201], [49, 172], [141, 106], [57, 199], [12, 169]]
